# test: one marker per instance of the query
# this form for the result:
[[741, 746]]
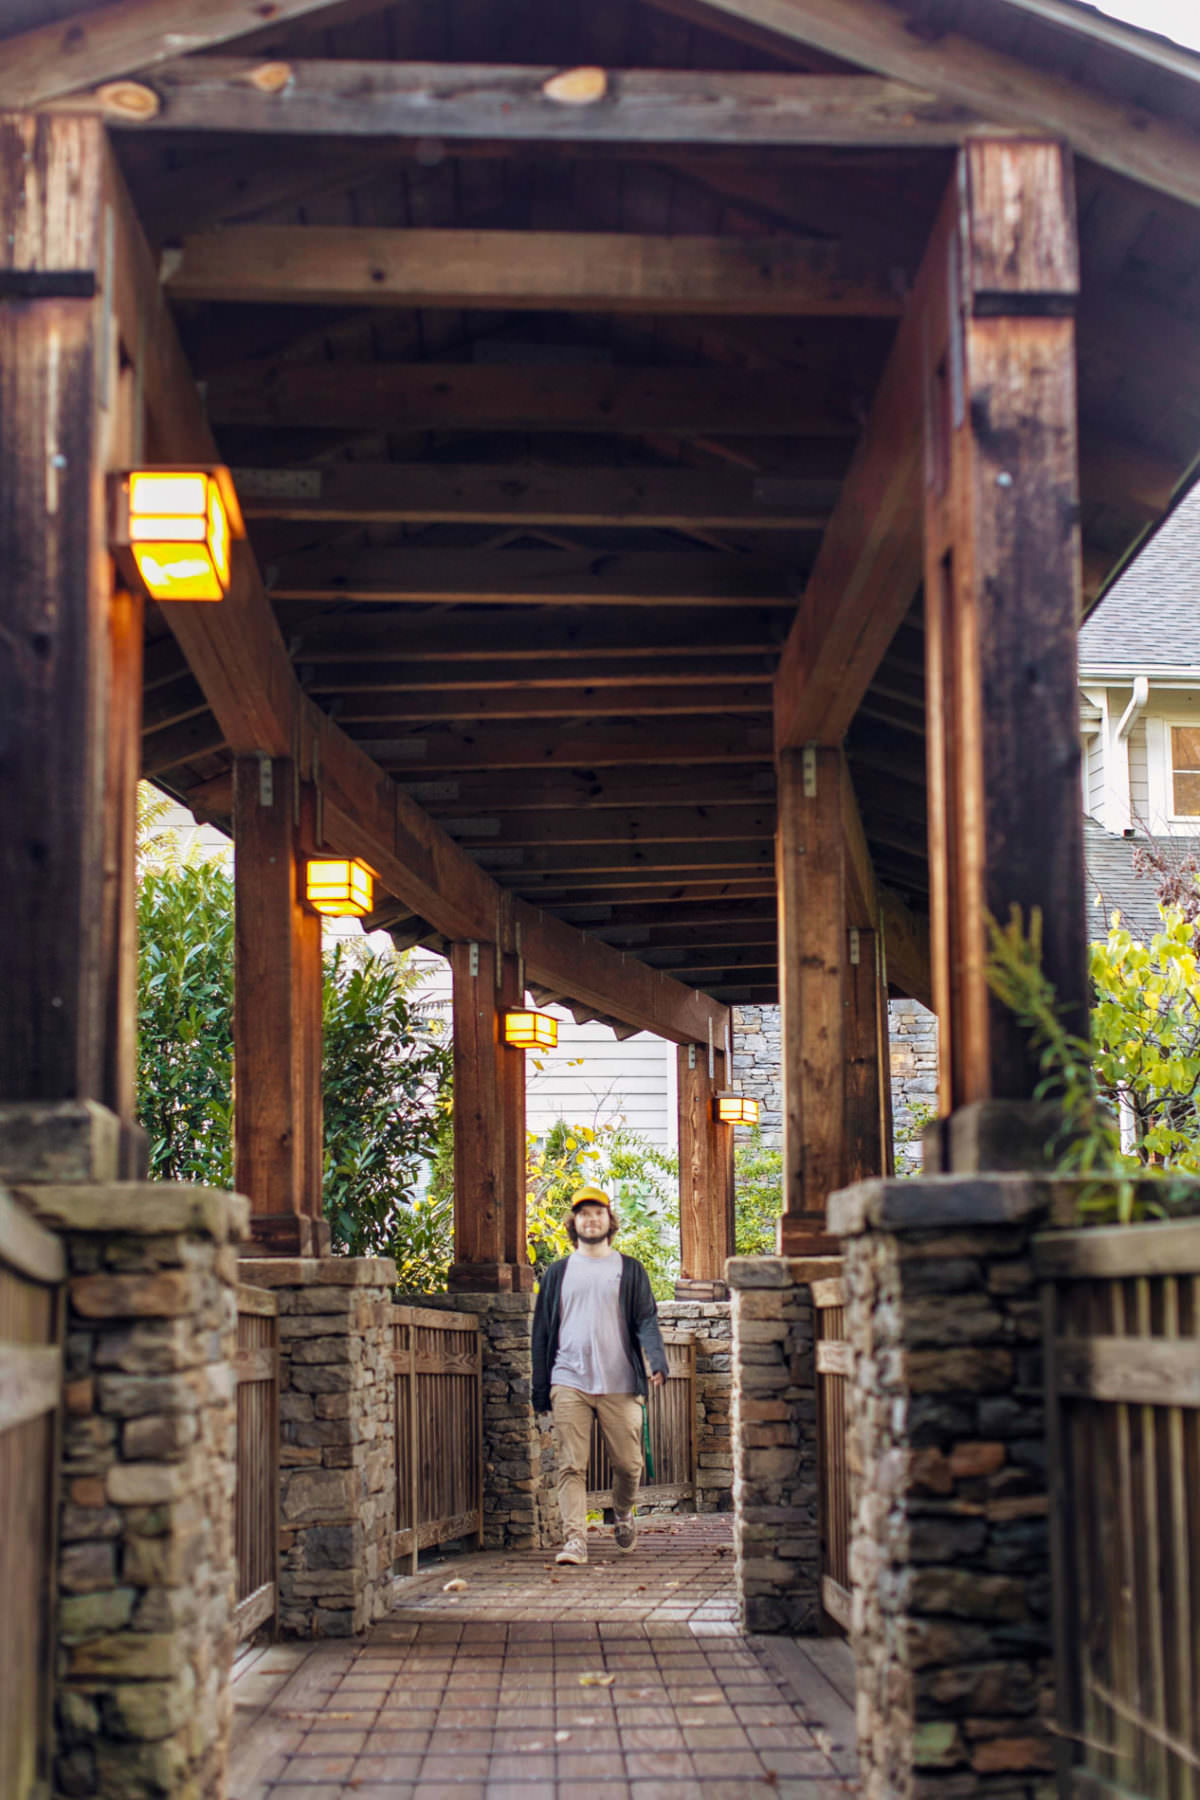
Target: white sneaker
[[573, 1551], [624, 1531]]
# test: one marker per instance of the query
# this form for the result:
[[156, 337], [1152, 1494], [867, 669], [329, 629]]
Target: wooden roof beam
[[870, 562], [96, 45], [430, 396], [528, 494], [664, 700], [689, 668], [511, 103], [637, 634], [873, 34], [239, 657], [696, 738], [335, 265], [537, 577]]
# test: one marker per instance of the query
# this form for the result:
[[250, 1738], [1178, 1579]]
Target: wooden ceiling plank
[[652, 862], [648, 825], [334, 265], [536, 577], [872, 34], [637, 634], [94, 46], [586, 672], [526, 494], [431, 396], [695, 739], [236, 652], [596, 791], [578, 702], [514, 103]]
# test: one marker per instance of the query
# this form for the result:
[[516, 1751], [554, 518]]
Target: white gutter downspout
[[1126, 723]]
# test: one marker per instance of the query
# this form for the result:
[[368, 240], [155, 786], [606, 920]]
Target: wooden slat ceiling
[[541, 562]]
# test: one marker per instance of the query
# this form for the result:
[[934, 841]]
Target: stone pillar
[[146, 1565], [337, 1429], [520, 1511], [951, 1620], [774, 1441]]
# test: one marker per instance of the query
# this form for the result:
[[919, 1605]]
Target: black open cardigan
[[641, 1322]]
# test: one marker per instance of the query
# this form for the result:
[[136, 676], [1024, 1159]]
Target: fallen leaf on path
[[595, 1680], [713, 1699], [562, 1737], [454, 1587]]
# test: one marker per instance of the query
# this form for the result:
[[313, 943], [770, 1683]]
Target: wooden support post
[[489, 1126], [810, 878], [277, 1018], [864, 1105], [706, 1238], [55, 950], [1002, 588]]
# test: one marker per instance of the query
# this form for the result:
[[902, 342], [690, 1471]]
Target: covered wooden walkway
[[627, 1680]]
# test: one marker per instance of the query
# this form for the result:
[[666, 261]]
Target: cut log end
[[131, 101], [577, 87]]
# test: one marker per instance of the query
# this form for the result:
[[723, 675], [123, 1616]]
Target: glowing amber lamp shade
[[735, 1109], [343, 889], [178, 525], [531, 1030]]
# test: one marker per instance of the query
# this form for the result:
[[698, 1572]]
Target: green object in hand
[[648, 1453]]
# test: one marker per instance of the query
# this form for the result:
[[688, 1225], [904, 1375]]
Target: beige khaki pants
[[620, 1417]]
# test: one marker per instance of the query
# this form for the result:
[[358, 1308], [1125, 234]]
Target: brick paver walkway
[[626, 1680]]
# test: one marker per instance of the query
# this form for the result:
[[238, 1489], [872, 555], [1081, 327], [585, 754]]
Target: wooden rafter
[[95, 45], [696, 738], [869, 565], [577, 701], [565, 635], [433, 396], [526, 493], [306, 265], [513, 103], [872, 34], [537, 577], [239, 656]]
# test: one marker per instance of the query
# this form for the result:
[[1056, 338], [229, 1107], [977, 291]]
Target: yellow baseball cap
[[593, 1196]]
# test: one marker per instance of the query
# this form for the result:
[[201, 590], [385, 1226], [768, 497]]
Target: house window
[[1185, 771]]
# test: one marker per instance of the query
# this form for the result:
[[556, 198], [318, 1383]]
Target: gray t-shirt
[[593, 1345]]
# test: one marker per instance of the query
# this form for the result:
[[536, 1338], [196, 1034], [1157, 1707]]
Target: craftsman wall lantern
[[339, 887], [735, 1109], [527, 1030], [176, 527]]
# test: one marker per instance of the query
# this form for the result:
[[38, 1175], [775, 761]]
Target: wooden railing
[[833, 1475], [438, 1365], [673, 1433], [1121, 1316], [256, 1495], [32, 1273]]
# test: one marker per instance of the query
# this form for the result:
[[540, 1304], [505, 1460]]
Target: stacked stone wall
[[337, 1477], [146, 1570], [912, 1034], [949, 1549], [710, 1323], [774, 1443]]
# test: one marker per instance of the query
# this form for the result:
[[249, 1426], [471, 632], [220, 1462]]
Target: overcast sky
[[1178, 19]]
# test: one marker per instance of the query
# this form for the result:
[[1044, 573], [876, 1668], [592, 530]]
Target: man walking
[[594, 1330]]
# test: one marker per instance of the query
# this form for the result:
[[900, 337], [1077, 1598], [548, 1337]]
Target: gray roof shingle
[[1150, 617], [1114, 885]]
